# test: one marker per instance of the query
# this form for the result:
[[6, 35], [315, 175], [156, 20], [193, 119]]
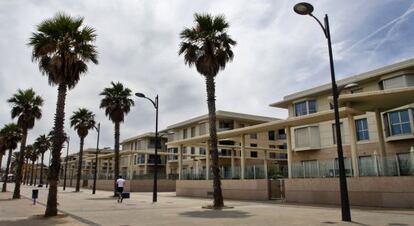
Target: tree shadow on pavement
[[217, 214], [37, 221]]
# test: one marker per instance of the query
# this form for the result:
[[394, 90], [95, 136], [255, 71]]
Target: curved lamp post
[[155, 103], [98, 129], [304, 8]]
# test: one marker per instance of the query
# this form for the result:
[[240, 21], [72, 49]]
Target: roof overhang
[[273, 125], [381, 100]]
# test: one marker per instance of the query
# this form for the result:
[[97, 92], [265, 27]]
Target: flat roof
[[359, 78], [222, 114]]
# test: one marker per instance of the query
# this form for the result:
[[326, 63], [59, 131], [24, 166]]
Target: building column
[[265, 163], [208, 160], [353, 142], [107, 169], [242, 156], [146, 164], [289, 150], [131, 166], [180, 162], [232, 163], [381, 141]]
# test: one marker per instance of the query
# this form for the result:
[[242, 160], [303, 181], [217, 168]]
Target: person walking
[[120, 182]]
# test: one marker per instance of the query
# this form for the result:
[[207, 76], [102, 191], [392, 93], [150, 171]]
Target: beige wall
[[232, 189], [364, 191]]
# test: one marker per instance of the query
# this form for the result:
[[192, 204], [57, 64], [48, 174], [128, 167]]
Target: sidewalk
[[83, 208]]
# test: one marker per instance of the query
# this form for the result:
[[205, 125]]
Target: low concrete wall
[[232, 189], [130, 186], [364, 191]]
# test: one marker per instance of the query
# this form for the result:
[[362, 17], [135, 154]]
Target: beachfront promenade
[[101, 209]]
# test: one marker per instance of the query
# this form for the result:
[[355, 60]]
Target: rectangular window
[[253, 136], [361, 126], [202, 151], [253, 145], [310, 168], [272, 155], [184, 133], [305, 107], [399, 122], [302, 137], [334, 132], [271, 135], [404, 160], [253, 154], [193, 130], [202, 129], [192, 150], [272, 146], [395, 82]]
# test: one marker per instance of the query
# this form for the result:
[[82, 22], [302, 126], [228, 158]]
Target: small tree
[[43, 144], [10, 134]]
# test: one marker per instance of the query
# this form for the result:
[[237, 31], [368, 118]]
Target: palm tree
[[33, 157], [62, 46], [11, 135], [82, 121], [208, 46], [2, 151], [27, 155], [26, 107], [43, 144], [117, 103]]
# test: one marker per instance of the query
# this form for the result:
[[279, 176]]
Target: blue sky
[[278, 53]]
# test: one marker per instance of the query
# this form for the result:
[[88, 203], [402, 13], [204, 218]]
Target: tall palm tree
[[208, 46], [11, 135], [27, 155], [62, 46], [117, 103], [43, 144], [82, 121], [2, 151], [26, 107], [33, 157]]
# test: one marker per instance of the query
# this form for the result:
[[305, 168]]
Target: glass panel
[[367, 166], [394, 117], [395, 129], [302, 138], [312, 106], [311, 168], [406, 128]]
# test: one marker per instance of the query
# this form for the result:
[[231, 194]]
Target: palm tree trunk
[[58, 139], [117, 125], [78, 178], [41, 169], [20, 162], [1, 160], [7, 171], [32, 175], [211, 102]]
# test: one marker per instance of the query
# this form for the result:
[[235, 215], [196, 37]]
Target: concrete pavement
[[101, 209]]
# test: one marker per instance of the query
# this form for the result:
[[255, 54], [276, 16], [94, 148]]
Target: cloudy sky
[[278, 53]]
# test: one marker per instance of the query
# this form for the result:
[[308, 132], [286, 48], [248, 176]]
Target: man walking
[[120, 182]]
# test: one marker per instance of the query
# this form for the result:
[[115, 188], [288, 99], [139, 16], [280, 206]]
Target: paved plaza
[[101, 209]]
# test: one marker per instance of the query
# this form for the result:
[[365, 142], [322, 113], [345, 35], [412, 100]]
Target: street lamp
[[155, 103], [98, 129], [66, 162], [304, 8]]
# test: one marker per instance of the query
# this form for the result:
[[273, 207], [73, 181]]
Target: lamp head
[[303, 8], [351, 85], [140, 95]]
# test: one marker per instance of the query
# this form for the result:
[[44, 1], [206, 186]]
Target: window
[[192, 150], [184, 133], [367, 166], [202, 151], [272, 155], [241, 125], [225, 125], [253, 145], [361, 126], [404, 160], [395, 82], [253, 136], [284, 146], [193, 131], [202, 129], [399, 122], [271, 135], [305, 107], [272, 146], [253, 154], [334, 132]]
